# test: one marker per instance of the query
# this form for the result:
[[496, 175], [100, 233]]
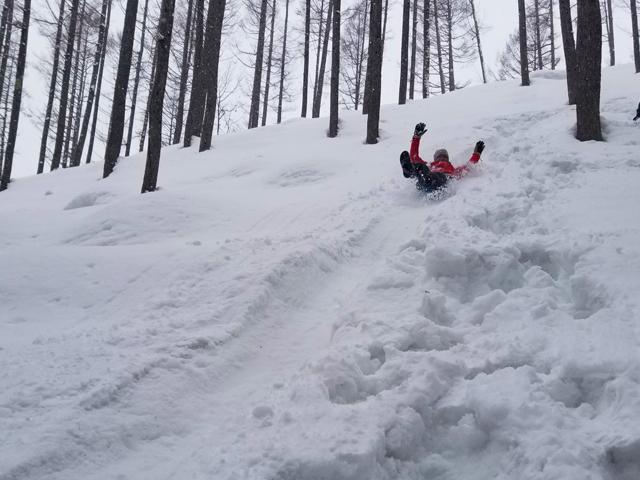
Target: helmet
[[441, 152]]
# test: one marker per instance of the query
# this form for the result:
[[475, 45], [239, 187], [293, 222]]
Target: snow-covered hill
[[287, 306]]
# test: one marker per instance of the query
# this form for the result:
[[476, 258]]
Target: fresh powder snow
[[288, 306]]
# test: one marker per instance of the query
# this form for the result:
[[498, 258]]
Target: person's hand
[[420, 130], [479, 147]]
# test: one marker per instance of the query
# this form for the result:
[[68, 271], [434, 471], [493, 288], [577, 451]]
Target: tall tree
[[267, 82], [116, 125], [17, 97], [283, 61], [476, 30], [52, 88], [211, 62], [305, 73], [569, 47], [76, 155], [353, 52], [374, 71], [452, 80], [163, 49], [610, 34], [103, 56], [426, 48], [552, 35], [64, 89], [404, 53], [536, 10], [589, 62], [184, 75], [436, 20], [254, 110], [524, 64], [317, 94], [145, 117], [195, 114], [335, 70], [136, 79], [414, 47], [635, 34]]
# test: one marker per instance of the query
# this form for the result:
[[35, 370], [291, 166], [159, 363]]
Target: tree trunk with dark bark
[[335, 71], [17, 97], [374, 71], [569, 48], [436, 19], [552, 36], [76, 155], [611, 35], [211, 62], [267, 82], [283, 61], [452, 79], [524, 62], [195, 114], [426, 48], [404, 53], [163, 49], [184, 75], [317, 96], [589, 62], [116, 125], [635, 34], [414, 47], [136, 79], [305, 73], [96, 110], [64, 88], [254, 109]]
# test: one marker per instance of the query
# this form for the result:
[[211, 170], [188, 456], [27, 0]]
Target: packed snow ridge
[[289, 307]]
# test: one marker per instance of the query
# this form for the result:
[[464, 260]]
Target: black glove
[[637, 113], [479, 147], [420, 130]]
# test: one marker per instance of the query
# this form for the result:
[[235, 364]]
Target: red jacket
[[440, 166]]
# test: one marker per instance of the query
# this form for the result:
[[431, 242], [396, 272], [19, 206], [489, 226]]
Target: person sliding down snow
[[433, 176]]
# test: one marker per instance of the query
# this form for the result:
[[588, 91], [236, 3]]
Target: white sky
[[498, 16]]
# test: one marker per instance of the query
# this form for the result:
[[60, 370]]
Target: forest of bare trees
[[178, 70]]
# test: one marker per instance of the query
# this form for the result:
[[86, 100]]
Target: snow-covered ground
[[288, 307]]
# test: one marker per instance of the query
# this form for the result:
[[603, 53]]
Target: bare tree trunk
[[116, 125], [524, 62], [363, 39], [136, 79], [404, 53], [569, 47], [414, 34], [436, 19], [477, 32], [305, 74], [78, 114], [184, 75], [211, 61], [7, 20], [317, 97], [254, 110], [195, 114], [52, 88], [426, 48], [145, 119], [452, 80], [265, 101], [384, 24], [163, 48], [64, 89], [17, 97], [76, 155], [611, 35], [552, 36], [374, 72], [283, 60], [589, 61], [635, 35], [538, 37], [96, 110], [335, 71]]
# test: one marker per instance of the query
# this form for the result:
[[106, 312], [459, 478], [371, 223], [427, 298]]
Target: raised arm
[[414, 154]]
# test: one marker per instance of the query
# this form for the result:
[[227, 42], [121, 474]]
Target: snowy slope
[[288, 307]]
